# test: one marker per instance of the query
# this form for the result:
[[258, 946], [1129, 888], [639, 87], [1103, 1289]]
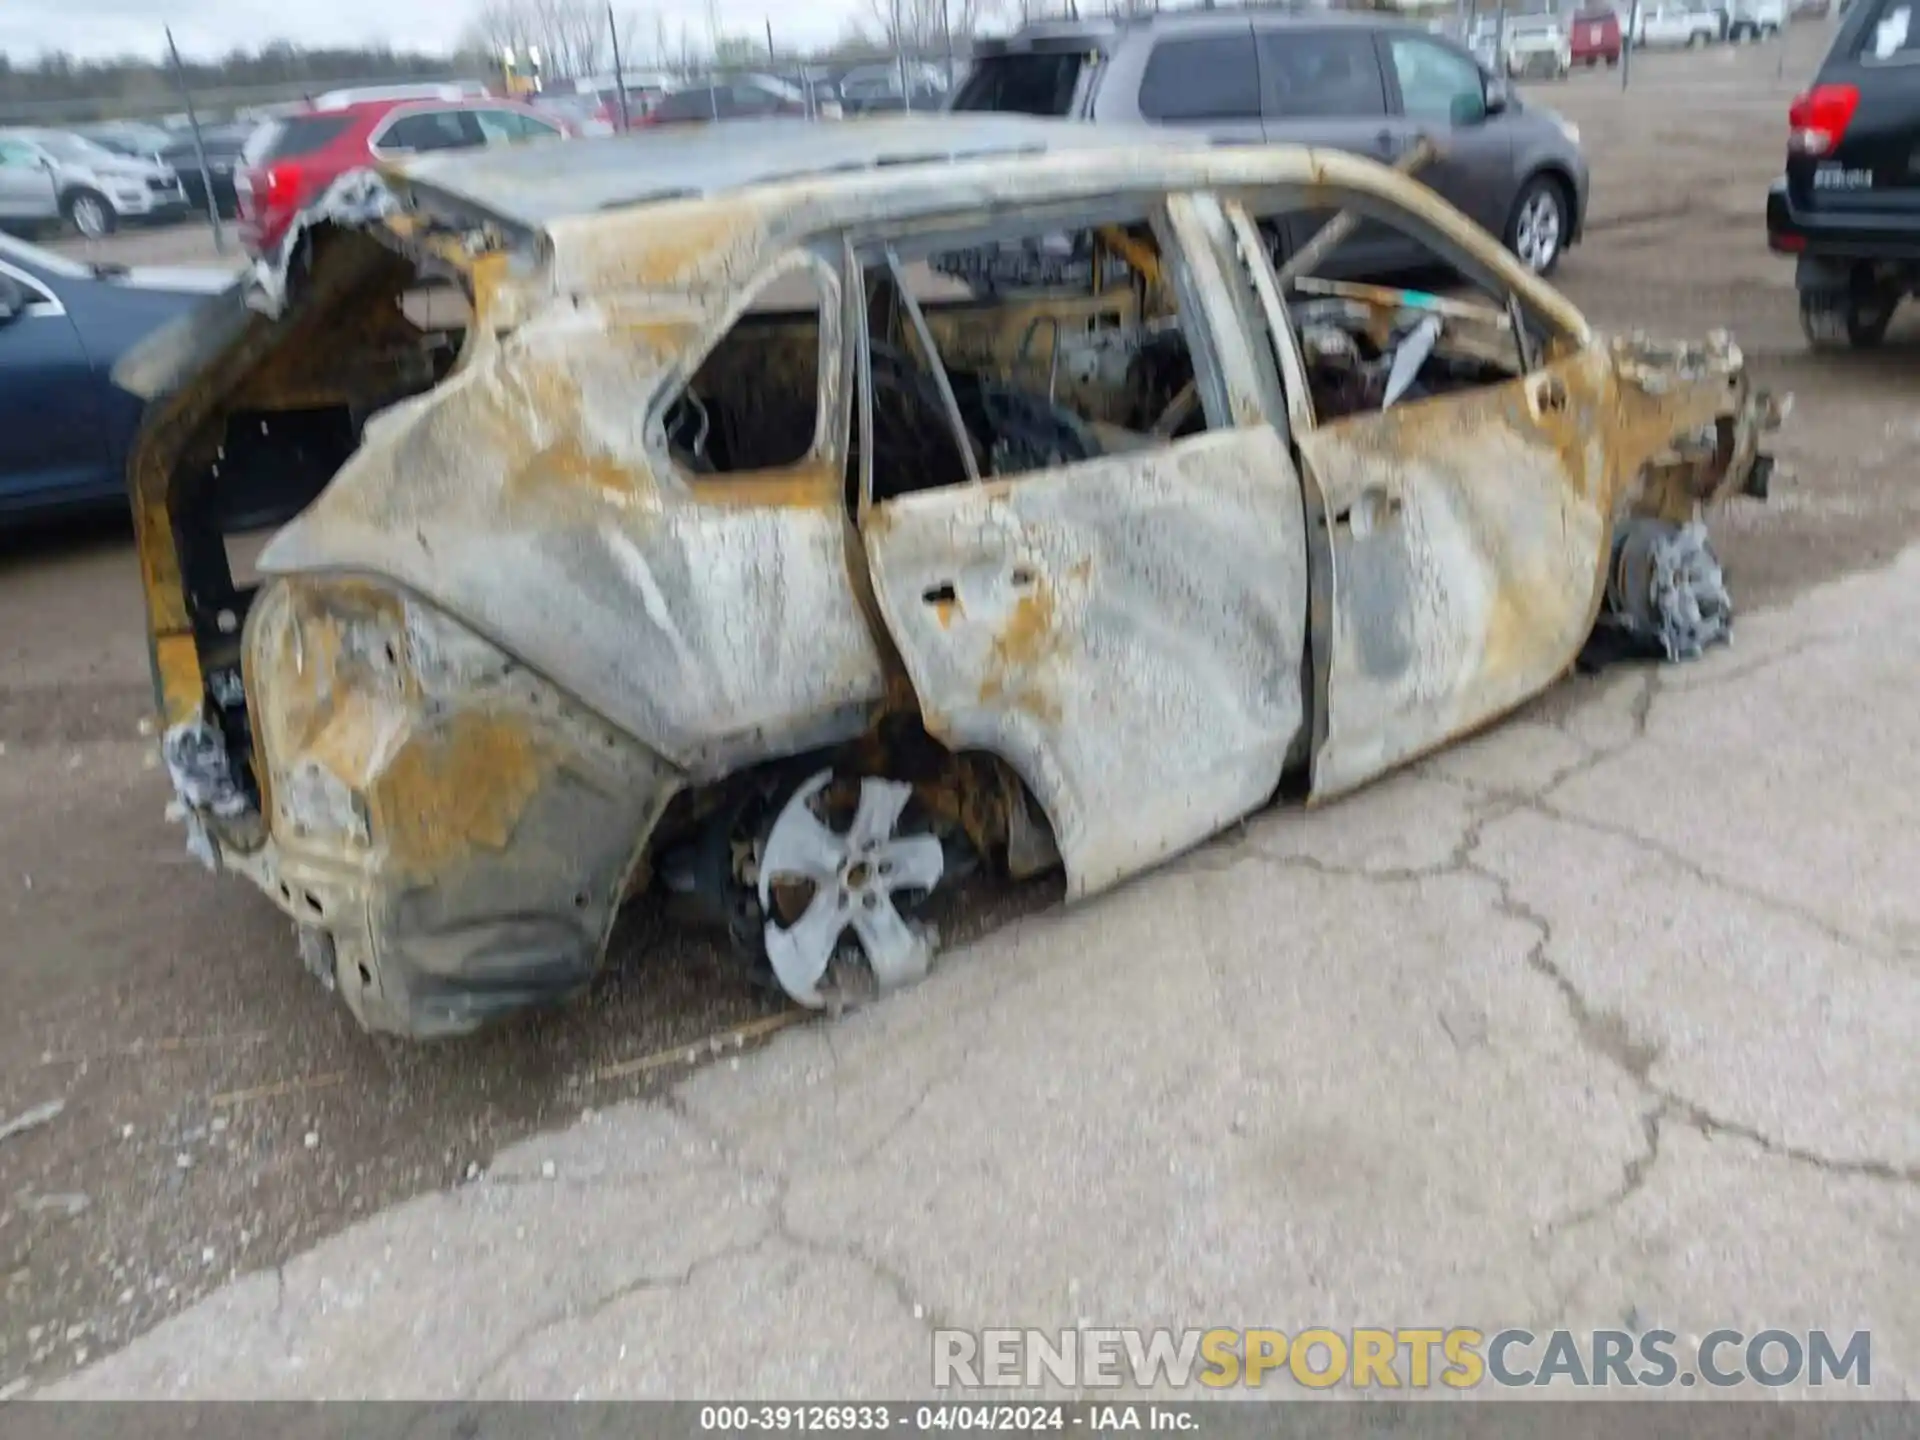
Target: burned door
[[1125, 625], [1460, 546], [1459, 527]]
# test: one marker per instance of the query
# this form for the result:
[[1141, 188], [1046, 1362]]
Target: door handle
[[1373, 510], [1386, 142]]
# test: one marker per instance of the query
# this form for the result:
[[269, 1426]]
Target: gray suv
[[50, 175], [1351, 82]]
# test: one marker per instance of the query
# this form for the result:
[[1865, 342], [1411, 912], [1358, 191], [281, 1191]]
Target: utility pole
[[900, 59], [619, 71], [199, 145]]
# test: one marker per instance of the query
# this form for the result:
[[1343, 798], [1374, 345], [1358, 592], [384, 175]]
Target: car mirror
[[13, 300], [1496, 99]]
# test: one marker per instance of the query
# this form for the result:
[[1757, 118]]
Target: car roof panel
[[535, 185]]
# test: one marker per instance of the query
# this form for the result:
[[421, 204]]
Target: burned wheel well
[[704, 853]]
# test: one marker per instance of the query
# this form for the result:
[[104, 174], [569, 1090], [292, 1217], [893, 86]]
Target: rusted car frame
[[524, 648]]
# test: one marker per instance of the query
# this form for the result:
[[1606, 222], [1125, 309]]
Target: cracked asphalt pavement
[[1604, 1018]]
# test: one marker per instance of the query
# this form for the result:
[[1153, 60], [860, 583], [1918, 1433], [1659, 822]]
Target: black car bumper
[[1792, 229]]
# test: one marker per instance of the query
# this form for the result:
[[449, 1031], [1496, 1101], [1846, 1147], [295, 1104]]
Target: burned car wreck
[[720, 549]]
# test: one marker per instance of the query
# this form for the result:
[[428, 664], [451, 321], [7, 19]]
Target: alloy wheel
[[1536, 230], [90, 217]]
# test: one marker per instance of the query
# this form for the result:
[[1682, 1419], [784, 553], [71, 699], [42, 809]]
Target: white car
[[1668, 22], [52, 175], [1536, 45], [418, 90], [1756, 19]]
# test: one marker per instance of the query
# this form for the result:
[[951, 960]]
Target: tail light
[[1819, 118], [280, 188]]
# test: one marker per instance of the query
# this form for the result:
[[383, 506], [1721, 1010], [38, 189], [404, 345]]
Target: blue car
[[64, 425]]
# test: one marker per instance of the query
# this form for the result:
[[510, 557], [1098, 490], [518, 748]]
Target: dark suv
[[1357, 83], [1849, 204]]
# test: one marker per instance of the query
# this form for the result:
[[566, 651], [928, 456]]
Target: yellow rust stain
[[1515, 637], [662, 244], [349, 744], [801, 487], [176, 662], [1025, 643], [655, 339], [486, 277], [566, 468], [458, 789], [1140, 257]]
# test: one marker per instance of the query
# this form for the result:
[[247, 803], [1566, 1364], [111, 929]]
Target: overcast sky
[[208, 28]]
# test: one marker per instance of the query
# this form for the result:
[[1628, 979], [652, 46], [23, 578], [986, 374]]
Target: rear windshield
[[1032, 84], [294, 136]]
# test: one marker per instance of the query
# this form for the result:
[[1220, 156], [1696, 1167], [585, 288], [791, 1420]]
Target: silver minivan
[[52, 175]]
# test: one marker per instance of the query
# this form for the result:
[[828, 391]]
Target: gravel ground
[[219, 1113]]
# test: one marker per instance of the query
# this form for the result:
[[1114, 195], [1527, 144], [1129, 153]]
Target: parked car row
[[51, 176], [817, 91], [1551, 45], [261, 171], [1693, 23]]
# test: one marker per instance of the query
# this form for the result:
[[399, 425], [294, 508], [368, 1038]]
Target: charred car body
[[710, 554]]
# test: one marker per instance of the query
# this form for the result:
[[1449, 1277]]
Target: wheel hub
[[854, 877]]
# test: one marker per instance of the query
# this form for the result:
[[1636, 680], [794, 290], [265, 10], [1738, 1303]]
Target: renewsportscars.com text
[[1396, 1359]]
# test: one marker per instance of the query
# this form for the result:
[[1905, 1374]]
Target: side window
[[947, 398], [752, 100], [1893, 35], [35, 293], [429, 130], [1210, 78], [1360, 348], [1437, 83], [499, 126], [15, 156], [1324, 74], [754, 403]]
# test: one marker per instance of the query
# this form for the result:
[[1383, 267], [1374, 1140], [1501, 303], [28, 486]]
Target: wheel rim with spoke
[[89, 218], [855, 877], [1536, 237]]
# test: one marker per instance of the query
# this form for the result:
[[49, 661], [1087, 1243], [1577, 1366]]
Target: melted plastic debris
[[203, 783], [1665, 588]]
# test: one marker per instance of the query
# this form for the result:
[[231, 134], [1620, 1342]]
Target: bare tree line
[[924, 26], [571, 36], [574, 37]]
